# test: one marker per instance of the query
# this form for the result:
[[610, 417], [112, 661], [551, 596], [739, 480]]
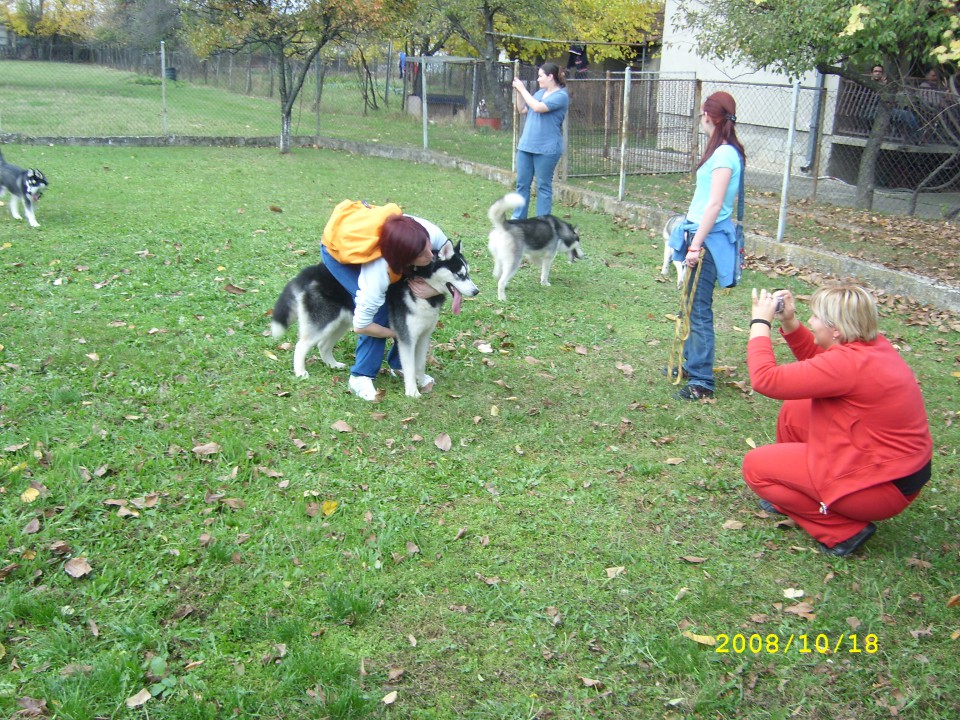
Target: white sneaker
[[427, 380], [362, 387]]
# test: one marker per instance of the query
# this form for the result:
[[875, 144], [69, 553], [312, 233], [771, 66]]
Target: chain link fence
[[621, 126]]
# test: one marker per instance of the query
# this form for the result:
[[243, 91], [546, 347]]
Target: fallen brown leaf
[[77, 567]]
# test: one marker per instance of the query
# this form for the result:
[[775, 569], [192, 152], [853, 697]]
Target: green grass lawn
[[267, 547]]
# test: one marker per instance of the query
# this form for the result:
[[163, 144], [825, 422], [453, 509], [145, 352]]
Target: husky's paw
[[502, 297], [545, 283], [336, 365], [412, 393], [301, 374]]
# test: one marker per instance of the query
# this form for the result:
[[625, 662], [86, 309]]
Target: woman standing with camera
[[541, 143]]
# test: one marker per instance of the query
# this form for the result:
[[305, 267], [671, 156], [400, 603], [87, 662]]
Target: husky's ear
[[447, 251]]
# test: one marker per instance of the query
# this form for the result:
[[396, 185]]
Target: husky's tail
[[508, 203], [283, 311]]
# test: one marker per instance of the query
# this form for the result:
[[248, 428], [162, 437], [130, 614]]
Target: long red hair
[[401, 239], [721, 108]]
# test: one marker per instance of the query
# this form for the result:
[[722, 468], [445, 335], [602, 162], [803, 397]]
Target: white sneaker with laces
[[362, 387]]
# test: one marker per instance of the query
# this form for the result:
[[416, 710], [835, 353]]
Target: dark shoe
[[850, 546], [693, 392], [672, 375], [768, 507]]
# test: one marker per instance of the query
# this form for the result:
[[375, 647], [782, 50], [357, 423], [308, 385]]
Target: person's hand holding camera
[[769, 305]]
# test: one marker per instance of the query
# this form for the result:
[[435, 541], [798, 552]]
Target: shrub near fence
[[236, 96]]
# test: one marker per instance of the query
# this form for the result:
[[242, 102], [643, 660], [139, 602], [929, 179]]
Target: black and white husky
[[24, 186], [539, 239], [323, 311]]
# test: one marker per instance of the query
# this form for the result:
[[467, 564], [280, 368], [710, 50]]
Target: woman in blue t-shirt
[[541, 143], [709, 227]]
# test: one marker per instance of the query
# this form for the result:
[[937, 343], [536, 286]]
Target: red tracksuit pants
[[779, 473]]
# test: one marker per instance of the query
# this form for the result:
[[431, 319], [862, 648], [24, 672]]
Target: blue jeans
[[530, 165], [370, 350], [698, 350]]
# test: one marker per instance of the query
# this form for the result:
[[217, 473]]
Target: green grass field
[[261, 546]]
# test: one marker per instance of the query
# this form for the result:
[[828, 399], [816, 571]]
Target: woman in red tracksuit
[[853, 443]]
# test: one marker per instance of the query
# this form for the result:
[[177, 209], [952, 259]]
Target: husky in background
[[24, 186], [323, 311], [537, 239], [668, 229]]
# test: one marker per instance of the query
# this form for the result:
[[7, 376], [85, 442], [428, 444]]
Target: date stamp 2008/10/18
[[773, 644]]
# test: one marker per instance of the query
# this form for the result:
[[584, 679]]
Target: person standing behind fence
[[708, 238], [541, 143]]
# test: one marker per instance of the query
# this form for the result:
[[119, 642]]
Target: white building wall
[[763, 113]]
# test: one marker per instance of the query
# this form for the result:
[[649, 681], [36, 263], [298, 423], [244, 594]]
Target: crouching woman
[[853, 443]]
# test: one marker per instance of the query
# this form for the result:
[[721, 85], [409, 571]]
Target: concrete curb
[[894, 282]]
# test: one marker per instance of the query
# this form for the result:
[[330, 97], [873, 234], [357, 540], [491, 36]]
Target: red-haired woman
[[708, 237], [404, 241]]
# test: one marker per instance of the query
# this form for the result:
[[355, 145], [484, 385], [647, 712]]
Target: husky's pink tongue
[[457, 299]]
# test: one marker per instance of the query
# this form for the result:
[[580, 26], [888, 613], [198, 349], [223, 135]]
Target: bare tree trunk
[[867, 172]]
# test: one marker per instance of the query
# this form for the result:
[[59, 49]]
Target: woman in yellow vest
[[367, 248]]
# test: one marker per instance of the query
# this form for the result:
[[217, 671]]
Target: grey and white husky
[[538, 239], [24, 186], [323, 311]]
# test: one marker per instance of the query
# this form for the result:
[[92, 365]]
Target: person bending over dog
[[853, 444], [366, 269]]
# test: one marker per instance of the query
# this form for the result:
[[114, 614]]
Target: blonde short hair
[[848, 308]]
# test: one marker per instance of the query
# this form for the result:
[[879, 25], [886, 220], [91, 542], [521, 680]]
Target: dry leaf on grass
[[341, 427], [694, 559], [31, 527], [139, 699], [701, 639], [443, 442], [733, 525], [210, 448], [590, 683], [955, 600], [613, 572], [390, 698], [674, 461], [802, 609], [793, 593], [77, 567]]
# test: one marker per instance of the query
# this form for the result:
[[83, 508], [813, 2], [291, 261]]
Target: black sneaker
[[851, 545], [693, 392], [768, 507]]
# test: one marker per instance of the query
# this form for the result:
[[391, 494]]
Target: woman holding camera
[[853, 444]]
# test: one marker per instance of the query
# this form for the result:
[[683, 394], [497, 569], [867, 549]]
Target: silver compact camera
[[779, 308]]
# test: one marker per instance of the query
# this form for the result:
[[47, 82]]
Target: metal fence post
[[163, 86], [782, 223], [516, 119], [423, 98], [695, 125], [624, 130]]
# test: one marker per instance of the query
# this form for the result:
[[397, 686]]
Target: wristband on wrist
[[693, 249], [761, 321]]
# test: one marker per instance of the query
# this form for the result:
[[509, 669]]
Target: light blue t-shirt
[[725, 156], [542, 132]]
